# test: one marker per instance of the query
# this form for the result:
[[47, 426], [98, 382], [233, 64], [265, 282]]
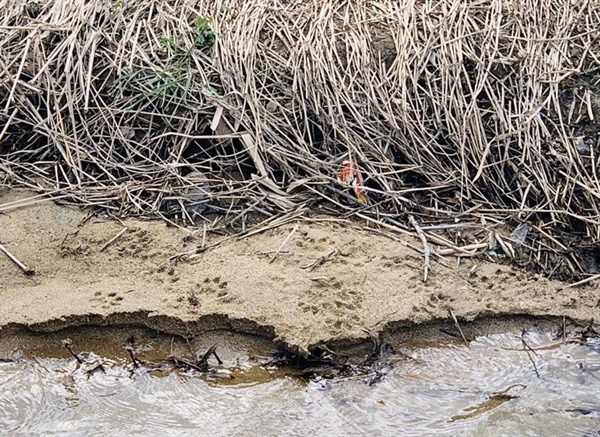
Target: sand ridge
[[331, 282]]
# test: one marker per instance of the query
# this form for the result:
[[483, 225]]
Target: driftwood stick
[[14, 259], [426, 249]]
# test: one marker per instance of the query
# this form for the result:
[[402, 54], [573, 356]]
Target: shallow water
[[490, 388]]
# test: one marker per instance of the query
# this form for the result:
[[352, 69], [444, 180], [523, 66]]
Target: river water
[[502, 384]]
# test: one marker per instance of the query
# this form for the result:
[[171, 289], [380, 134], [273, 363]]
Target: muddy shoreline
[[242, 358], [331, 284]]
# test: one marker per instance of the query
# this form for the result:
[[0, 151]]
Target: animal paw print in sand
[[308, 308], [338, 324], [74, 248], [134, 242], [344, 303], [219, 287], [191, 300], [108, 299], [165, 273], [210, 288], [438, 299]]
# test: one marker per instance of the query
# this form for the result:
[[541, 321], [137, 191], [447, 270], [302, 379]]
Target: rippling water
[[488, 389]]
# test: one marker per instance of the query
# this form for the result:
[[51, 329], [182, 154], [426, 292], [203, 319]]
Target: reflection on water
[[488, 389]]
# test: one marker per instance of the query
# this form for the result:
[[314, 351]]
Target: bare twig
[[203, 360], [530, 351], [136, 363]]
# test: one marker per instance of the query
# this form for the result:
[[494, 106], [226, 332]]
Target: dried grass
[[481, 111]]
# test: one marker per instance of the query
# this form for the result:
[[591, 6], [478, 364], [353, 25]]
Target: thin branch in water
[[529, 351], [67, 343]]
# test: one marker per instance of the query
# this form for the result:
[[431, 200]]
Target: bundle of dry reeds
[[480, 113]]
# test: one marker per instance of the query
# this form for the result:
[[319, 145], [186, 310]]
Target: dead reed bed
[[474, 123]]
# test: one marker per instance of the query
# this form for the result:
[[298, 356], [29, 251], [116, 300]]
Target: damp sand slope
[[331, 282]]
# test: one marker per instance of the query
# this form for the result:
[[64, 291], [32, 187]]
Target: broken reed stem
[[30, 201], [458, 327], [320, 261], [426, 249], [578, 283], [15, 260], [112, 240], [284, 242]]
